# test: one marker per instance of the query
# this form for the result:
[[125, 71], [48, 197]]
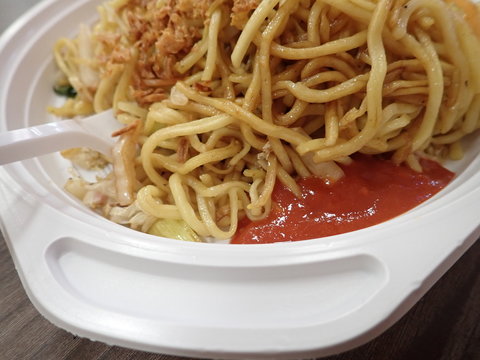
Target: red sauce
[[372, 191]]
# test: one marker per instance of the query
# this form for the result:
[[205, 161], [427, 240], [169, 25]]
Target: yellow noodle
[[212, 47], [239, 102]]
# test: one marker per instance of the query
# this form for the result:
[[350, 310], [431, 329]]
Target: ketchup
[[372, 191]]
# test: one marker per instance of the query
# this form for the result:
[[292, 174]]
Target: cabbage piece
[[174, 229]]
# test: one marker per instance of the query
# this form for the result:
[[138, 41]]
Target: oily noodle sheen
[[227, 97]]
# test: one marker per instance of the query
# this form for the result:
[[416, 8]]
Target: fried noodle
[[221, 99]]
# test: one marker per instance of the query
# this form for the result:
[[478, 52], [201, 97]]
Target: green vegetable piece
[[174, 229], [65, 90]]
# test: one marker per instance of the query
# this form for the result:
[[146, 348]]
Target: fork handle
[[21, 144]]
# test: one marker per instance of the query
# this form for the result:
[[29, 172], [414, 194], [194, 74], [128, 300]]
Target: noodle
[[221, 99]]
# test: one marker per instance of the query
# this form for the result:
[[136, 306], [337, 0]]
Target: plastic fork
[[92, 131]]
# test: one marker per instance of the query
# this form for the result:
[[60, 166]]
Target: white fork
[[93, 131]]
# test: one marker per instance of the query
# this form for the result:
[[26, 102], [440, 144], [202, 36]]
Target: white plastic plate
[[99, 280]]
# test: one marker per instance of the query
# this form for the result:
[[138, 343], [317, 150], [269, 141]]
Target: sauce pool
[[372, 191]]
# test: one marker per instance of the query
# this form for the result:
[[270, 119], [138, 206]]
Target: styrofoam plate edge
[[399, 287]]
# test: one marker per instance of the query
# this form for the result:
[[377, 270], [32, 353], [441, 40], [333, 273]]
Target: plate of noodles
[[290, 176]]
